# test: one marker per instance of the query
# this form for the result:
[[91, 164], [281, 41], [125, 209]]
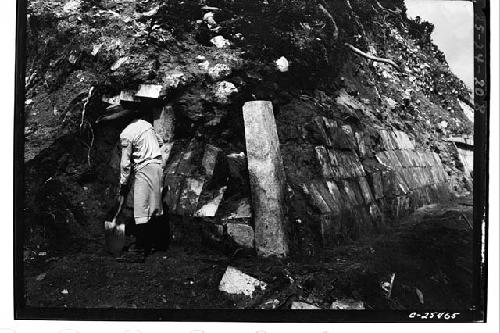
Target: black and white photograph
[[298, 160]]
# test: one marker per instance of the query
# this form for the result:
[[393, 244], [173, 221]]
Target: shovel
[[114, 234]]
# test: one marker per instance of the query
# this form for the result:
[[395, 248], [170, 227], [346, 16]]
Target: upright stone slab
[[267, 178]]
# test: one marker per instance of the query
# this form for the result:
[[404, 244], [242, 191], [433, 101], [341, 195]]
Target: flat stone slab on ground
[[303, 306], [236, 282]]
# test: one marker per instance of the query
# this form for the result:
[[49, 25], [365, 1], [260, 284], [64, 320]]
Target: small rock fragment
[[95, 49], [420, 295], [223, 90], [173, 80], [71, 6], [219, 71], [220, 42], [118, 63], [347, 304], [65, 292], [282, 64], [209, 19], [41, 277]]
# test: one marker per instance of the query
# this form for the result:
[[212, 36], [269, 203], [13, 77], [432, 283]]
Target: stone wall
[[368, 179]]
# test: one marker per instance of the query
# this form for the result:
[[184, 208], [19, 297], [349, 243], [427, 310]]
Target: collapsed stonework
[[343, 147]]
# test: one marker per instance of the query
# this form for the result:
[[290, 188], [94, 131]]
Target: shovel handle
[[120, 205]]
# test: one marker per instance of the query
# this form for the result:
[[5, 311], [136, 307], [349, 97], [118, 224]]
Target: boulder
[[235, 282], [267, 178]]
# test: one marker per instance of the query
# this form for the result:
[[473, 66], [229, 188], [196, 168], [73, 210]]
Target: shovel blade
[[114, 235]]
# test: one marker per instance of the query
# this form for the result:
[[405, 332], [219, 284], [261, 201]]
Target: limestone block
[[409, 177], [164, 122], [386, 140], [324, 160], [335, 193], [189, 196], [173, 184], [333, 203], [128, 96], [403, 158], [351, 194], [267, 178], [318, 128], [401, 183], [383, 159], [241, 234], [376, 184], [403, 140], [389, 183], [210, 158], [210, 208], [154, 91], [236, 282], [394, 140], [346, 164], [317, 199], [362, 147], [365, 190], [340, 139], [243, 211], [393, 159]]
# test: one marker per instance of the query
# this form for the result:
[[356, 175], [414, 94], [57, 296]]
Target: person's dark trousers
[[145, 235], [160, 232]]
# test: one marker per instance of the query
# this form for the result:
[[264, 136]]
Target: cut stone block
[[243, 211], [324, 161], [386, 140], [267, 178], [111, 100], [150, 91], [241, 234], [317, 199], [188, 199], [236, 282], [377, 187], [210, 159], [365, 190], [317, 130], [210, 208], [322, 190], [128, 96], [164, 122]]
